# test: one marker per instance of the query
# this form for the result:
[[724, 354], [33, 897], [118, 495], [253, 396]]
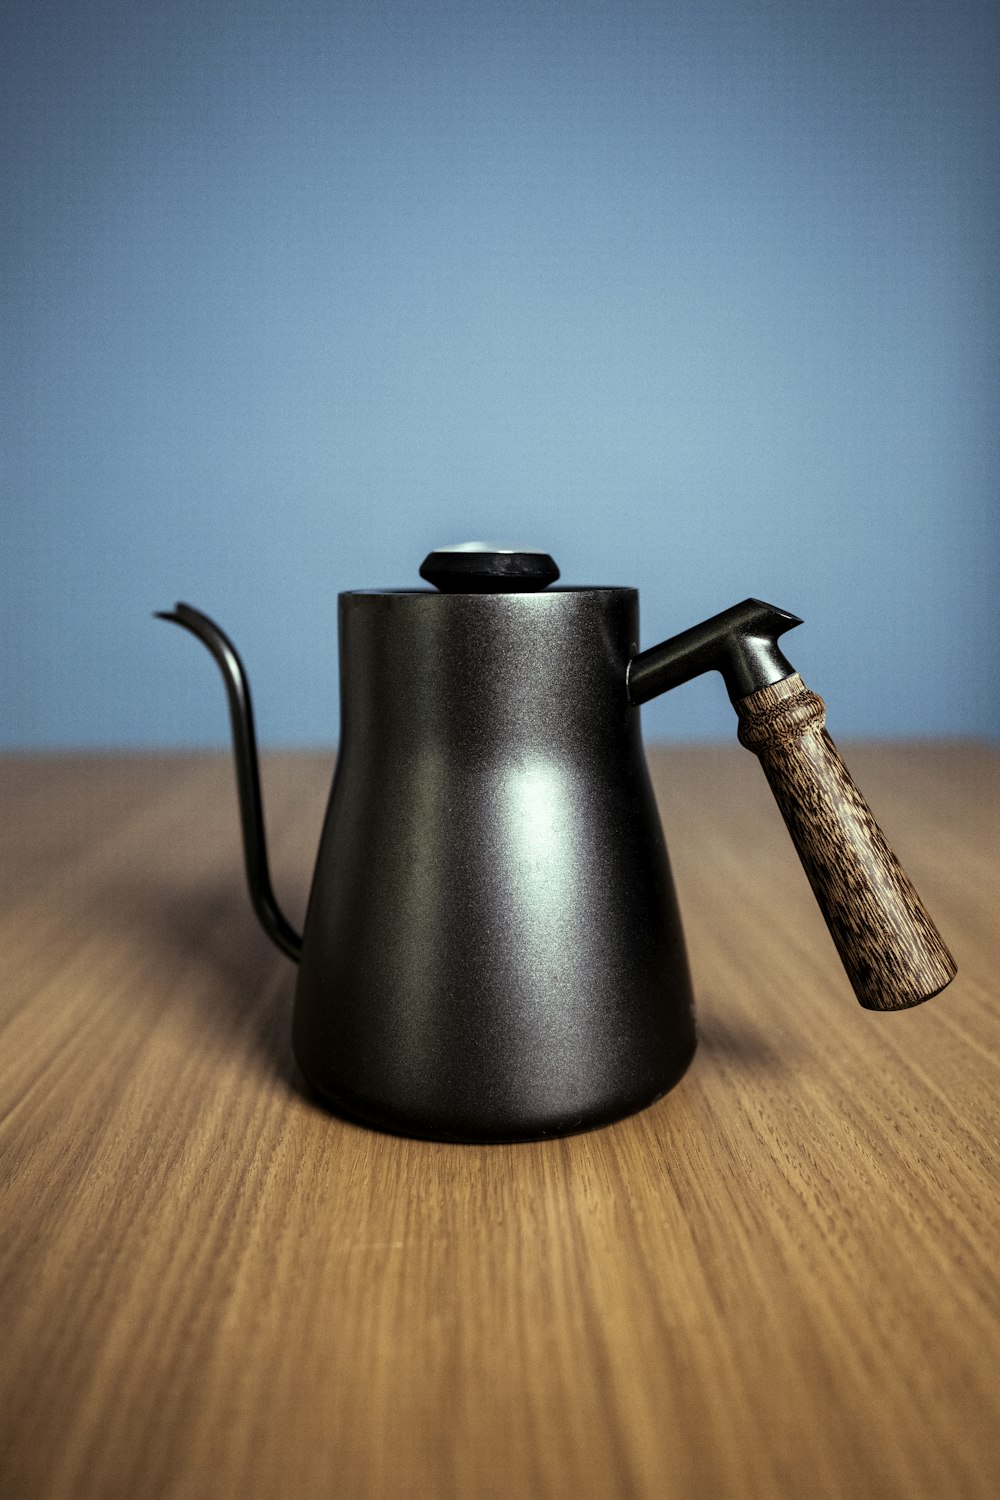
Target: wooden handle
[[893, 953]]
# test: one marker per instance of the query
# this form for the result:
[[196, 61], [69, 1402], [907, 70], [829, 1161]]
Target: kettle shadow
[[738, 1045]]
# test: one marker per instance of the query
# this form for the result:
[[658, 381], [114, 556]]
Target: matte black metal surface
[[741, 643], [475, 569], [272, 919], [492, 949]]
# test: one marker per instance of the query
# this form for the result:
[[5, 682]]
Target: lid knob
[[481, 568]]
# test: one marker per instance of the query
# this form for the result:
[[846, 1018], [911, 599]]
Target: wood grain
[[779, 1281], [892, 951]]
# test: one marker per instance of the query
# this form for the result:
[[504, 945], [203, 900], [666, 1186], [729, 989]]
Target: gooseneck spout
[[271, 918], [893, 953]]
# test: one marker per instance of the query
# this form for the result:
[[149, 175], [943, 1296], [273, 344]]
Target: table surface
[[780, 1280]]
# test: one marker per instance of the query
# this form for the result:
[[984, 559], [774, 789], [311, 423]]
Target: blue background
[[698, 296]]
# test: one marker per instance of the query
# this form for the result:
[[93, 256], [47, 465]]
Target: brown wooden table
[[781, 1280]]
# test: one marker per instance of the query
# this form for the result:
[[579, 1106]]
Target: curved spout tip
[[187, 615], [198, 624]]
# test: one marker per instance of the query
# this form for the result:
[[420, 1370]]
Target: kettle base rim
[[390, 1122]]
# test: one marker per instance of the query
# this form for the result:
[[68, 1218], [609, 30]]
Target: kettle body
[[492, 948]]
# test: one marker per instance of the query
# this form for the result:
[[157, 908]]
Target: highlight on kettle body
[[492, 948]]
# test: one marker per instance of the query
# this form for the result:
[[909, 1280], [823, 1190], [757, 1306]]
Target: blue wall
[[698, 296]]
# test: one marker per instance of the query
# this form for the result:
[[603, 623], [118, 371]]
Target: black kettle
[[492, 948]]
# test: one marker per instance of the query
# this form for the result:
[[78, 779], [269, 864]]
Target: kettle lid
[[482, 568]]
